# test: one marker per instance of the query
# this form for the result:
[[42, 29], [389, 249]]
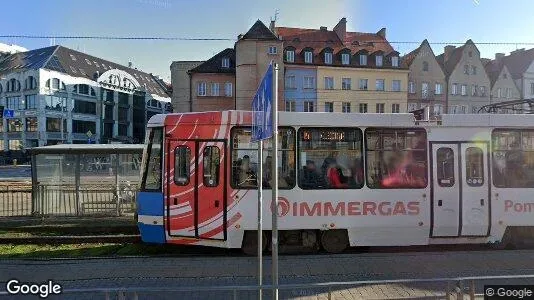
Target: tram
[[344, 180]]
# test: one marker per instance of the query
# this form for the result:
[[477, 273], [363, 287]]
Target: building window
[[345, 59], [328, 58], [508, 93], [338, 150], [363, 108], [14, 103], [345, 107], [474, 70], [308, 57], [437, 91], [363, 60], [290, 56], [396, 85], [425, 66], [438, 109], [55, 84], [309, 106], [453, 109], [345, 84], [54, 125], [290, 105], [464, 90], [329, 106], [15, 145], [474, 89], [56, 103], [272, 50], [13, 85], [380, 108], [31, 124], [201, 89], [482, 91], [470, 53], [226, 62], [466, 69], [31, 83], [309, 82], [244, 170], [379, 60], [291, 82], [228, 89], [532, 88], [412, 107], [395, 61], [411, 87], [31, 101], [395, 108], [379, 84], [14, 125], [84, 107], [215, 89], [329, 83], [396, 158], [79, 126], [464, 109], [454, 90], [364, 84], [424, 90], [82, 89]]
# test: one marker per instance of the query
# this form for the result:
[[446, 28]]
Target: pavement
[[193, 271]]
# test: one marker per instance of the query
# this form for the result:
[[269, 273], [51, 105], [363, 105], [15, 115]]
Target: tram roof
[[321, 119], [89, 149]]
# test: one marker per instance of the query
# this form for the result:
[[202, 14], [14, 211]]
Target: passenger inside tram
[[247, 177], [515, 164], [334, 175], [267, 171], [311, 179]]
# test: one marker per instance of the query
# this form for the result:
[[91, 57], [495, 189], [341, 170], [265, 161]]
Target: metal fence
[[68, 200], [455, 288]]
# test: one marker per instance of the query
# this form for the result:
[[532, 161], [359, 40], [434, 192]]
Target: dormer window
[[345, 58], [379, 60], [272, 50], [395, 61], [308, 57], [363, 59], [290, 56], [425, 66], [226, 62], [328, 58]]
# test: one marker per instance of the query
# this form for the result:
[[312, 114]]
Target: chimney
[[271, 27], [341, 29], [499, 56], [382, 33], [130, 65], [239, 37], [447, 51], [323, 28]]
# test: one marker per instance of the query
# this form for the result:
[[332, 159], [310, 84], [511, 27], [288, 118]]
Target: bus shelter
[[81, 179]]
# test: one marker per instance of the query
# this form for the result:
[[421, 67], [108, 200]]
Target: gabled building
[[181, 85], [426, 80], [341, 71], [520, 63], [60, 95], [468, 85], [503, 87]]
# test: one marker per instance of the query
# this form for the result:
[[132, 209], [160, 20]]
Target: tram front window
[[152, 167]]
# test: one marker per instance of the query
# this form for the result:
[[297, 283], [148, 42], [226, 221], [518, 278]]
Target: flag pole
[[274, 185], [260, 217]]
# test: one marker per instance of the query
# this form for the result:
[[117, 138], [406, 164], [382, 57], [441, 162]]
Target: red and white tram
[[344, 180]]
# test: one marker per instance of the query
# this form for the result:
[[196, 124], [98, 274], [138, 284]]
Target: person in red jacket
[[333, 175]]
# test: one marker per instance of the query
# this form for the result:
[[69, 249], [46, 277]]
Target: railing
[[456, 287], [67, 200]]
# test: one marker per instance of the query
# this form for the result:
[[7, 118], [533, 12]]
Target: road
[[219, 271]]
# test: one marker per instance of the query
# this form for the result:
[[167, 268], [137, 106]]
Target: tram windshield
[[151, 179]]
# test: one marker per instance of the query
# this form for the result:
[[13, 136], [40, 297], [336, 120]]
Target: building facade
[[468, 85], [520, 63], [180, 81], [503, 87], [426, 81], [59, 95], [345, 71]]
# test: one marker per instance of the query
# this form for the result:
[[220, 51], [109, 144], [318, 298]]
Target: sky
[[439, 21]]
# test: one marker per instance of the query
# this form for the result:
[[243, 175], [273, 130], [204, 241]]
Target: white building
[[64, 96]]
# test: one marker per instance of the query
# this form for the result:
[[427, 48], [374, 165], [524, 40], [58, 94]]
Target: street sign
[[262, 121], [9, 113], [89, 134]]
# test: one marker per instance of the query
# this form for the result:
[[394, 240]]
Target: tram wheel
[[250, 243], [335, 240]]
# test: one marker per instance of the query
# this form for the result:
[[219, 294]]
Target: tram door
[[460, 190], [196, 187]]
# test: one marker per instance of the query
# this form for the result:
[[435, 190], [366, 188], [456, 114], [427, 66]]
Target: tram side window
[[211, 166], [445, 167], [330, 158], [152, 172], [182, 164], [245, 159], [396, 158], [474, 166], [513, 158]]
